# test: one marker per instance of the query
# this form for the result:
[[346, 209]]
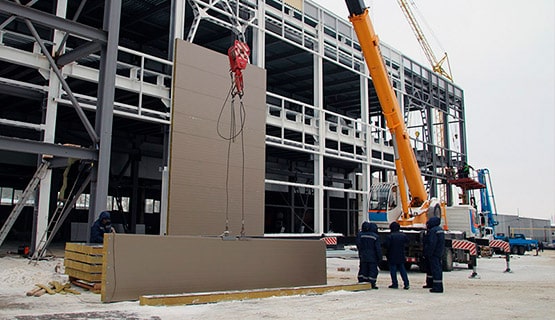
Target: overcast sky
[[502, 54]]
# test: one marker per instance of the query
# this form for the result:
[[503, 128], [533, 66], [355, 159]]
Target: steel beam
[[24, 92], [52, 21], [39, 147], [90, 130], [82, 51]]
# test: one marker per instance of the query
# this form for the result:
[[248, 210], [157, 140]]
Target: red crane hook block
[[238, 55]]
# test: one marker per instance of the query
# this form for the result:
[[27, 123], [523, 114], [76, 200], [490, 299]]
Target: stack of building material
[[83, 264]]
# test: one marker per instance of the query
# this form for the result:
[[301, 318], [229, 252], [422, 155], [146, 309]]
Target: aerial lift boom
[[405, 160], [485, 203]]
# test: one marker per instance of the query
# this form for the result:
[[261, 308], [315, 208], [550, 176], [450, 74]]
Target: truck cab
[[519, 243], [384, 204]]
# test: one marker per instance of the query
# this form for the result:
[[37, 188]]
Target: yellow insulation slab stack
[[83, 261]]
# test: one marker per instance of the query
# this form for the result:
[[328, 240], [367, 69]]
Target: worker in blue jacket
[[369, 253], [395, 244], [434, 246], [101, 226]]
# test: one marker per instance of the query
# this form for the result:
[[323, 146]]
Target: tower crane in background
[[437, 65]]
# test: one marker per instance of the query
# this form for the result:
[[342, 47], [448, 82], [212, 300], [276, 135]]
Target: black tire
[[448, 260], [521, 250], [514, 250]]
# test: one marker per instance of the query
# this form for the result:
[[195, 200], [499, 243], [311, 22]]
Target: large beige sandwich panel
[[215, 83], [215, 225], [218, 91], [188, 54], [198, 165], [219, 130], [208, 197], [201, 82], [217, 183], [218, 134], [194, 104], [216, 176], [138, 265], [202, 211], [198, 60], [210, 131], [215, 151]]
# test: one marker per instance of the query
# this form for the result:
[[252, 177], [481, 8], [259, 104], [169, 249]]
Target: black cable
[[234, 132], [242, 174], [242, 116]]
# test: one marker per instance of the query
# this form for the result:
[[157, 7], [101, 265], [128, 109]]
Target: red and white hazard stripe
[[464, 245], [504, 245], [330, 241], [241, 50]]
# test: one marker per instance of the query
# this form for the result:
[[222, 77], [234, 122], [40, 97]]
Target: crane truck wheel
[[521, 250], [514, 250], [434, 211], [448, 260]]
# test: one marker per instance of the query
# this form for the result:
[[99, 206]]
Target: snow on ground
[[526, 293], [17, 273]]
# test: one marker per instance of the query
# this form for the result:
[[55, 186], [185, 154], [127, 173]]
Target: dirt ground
[[528, 292]]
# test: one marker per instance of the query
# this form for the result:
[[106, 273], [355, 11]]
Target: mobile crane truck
[[389, 201]]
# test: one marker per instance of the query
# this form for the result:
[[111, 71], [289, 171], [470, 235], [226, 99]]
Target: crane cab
[[384, 204]]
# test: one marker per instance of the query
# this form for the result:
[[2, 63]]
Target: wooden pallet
[[83, 264], [91, 286]]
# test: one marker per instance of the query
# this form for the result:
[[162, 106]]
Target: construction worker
[[426, 263], [395, 244], [101, 226], [369, 253], [464, 171], [434, 245]]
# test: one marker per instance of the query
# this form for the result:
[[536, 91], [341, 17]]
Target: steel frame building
[[92, 81]]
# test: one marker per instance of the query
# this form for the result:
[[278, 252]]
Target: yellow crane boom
[[390, 106], [405, 162]]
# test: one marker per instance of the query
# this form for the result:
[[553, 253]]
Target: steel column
[[319, 157], [105, 109], [54, 88]]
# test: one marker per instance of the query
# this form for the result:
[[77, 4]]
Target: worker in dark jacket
[[434, 245], [395, 244], [426, 263], [101, 226], [369, 253]]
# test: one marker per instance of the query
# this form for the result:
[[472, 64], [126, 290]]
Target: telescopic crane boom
[[405, 160]]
